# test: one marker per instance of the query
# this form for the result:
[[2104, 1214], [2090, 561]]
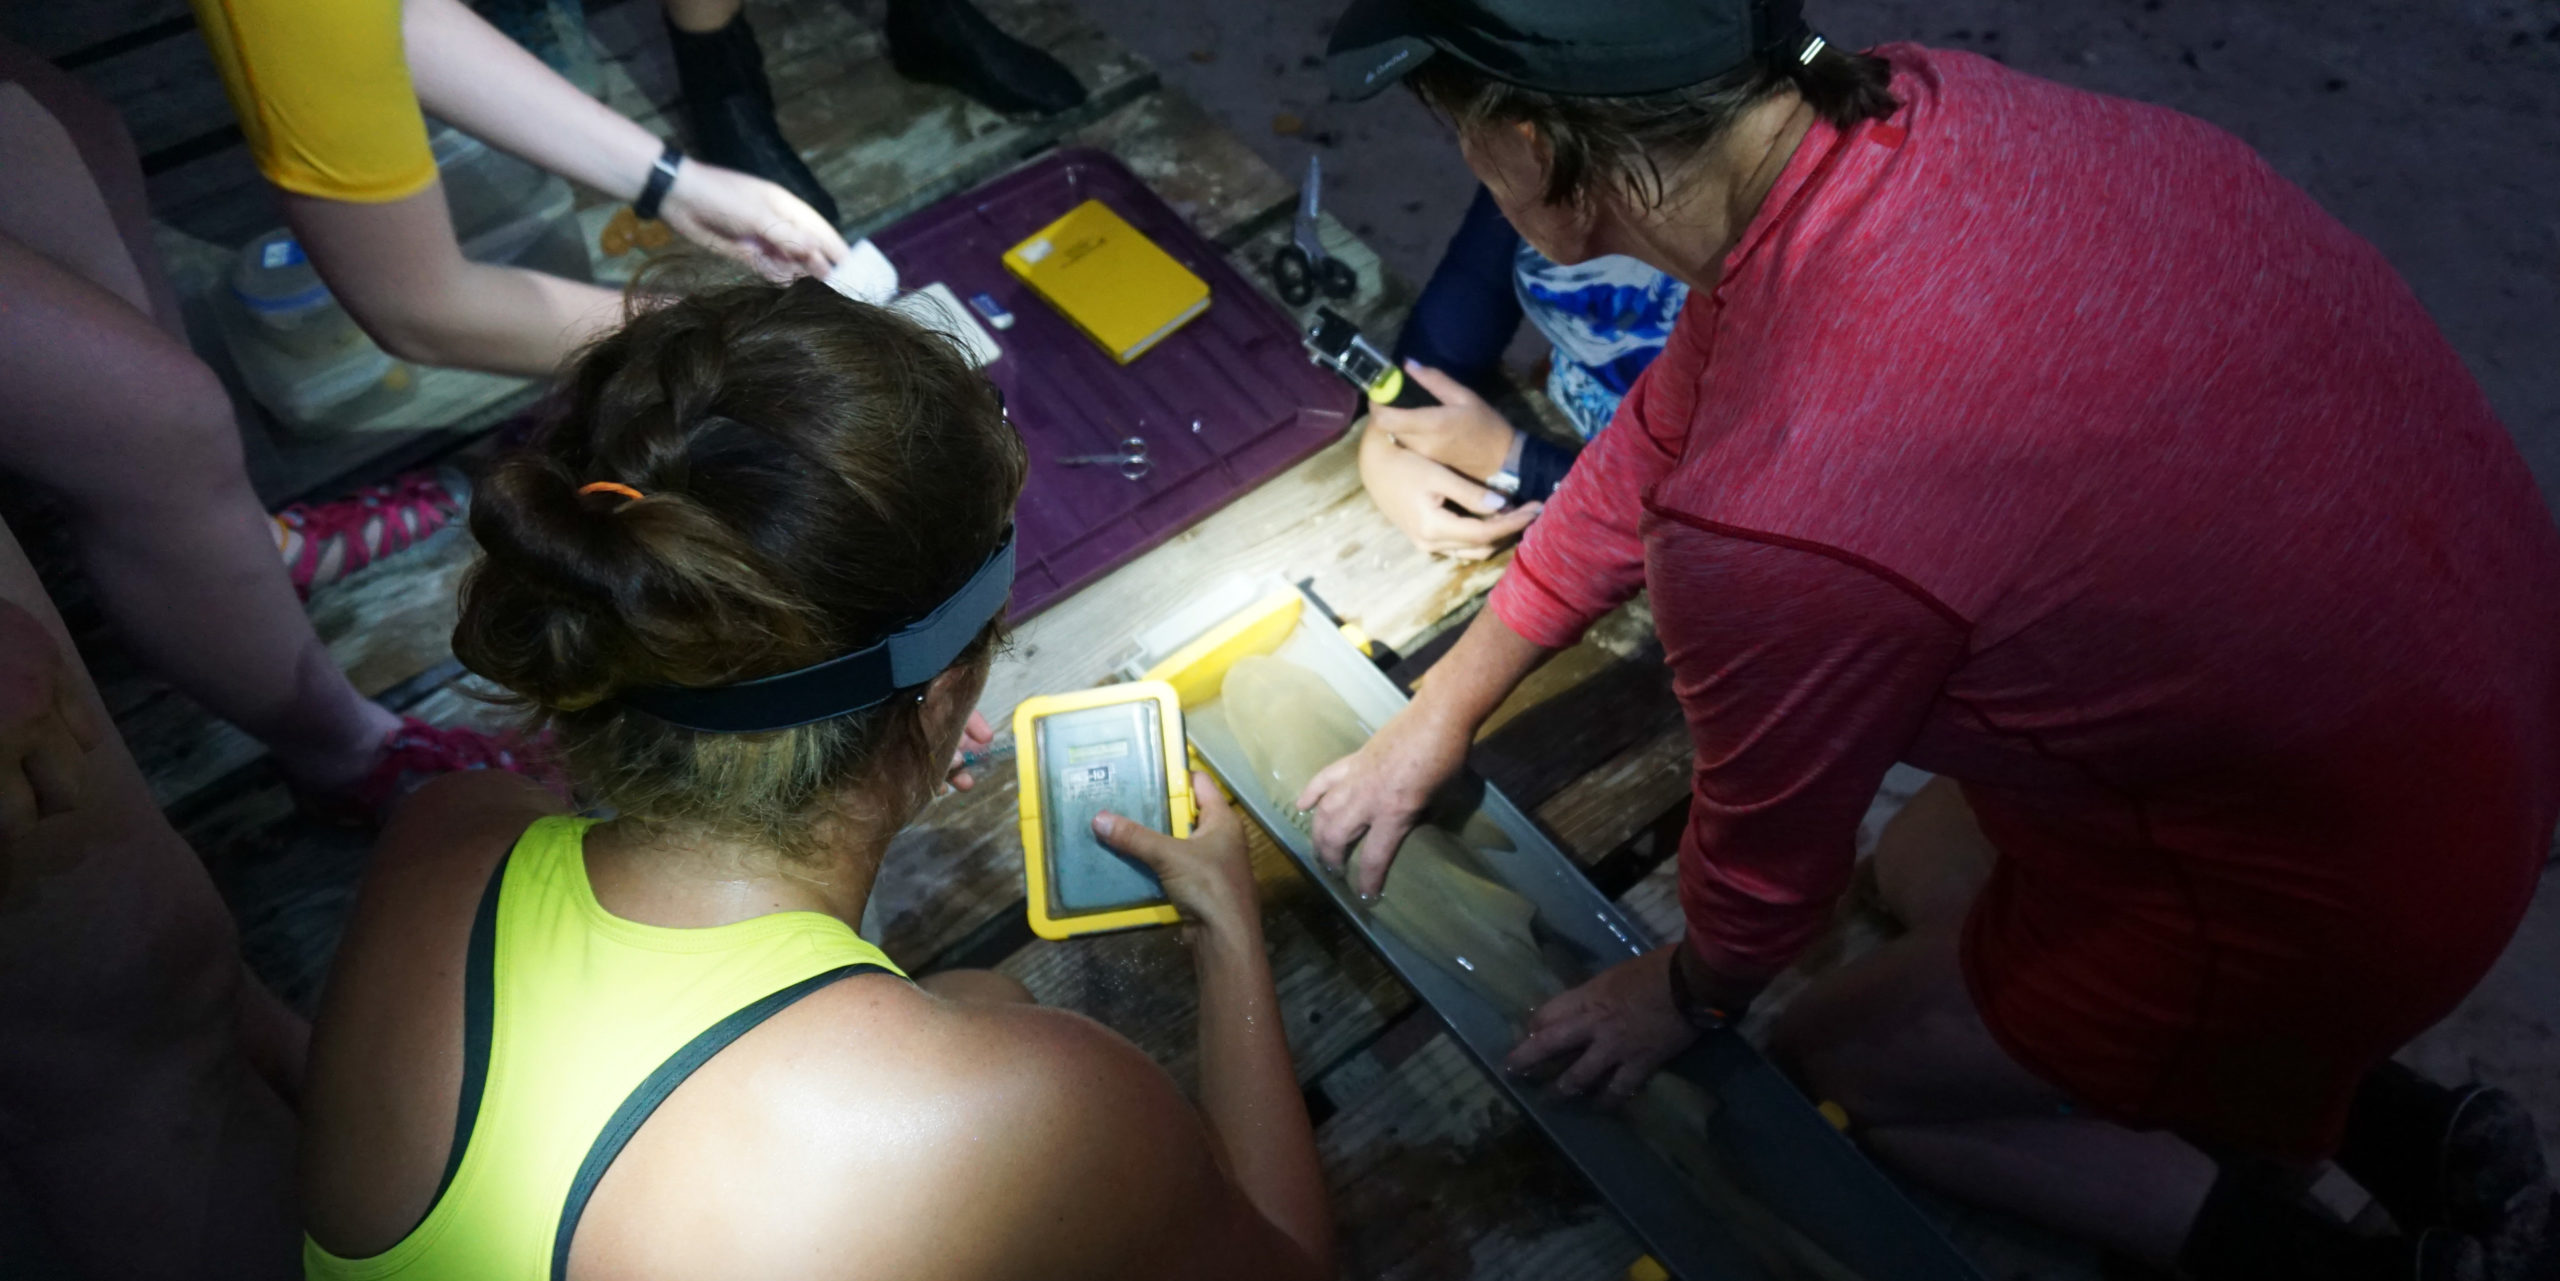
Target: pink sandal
[[323, 543]]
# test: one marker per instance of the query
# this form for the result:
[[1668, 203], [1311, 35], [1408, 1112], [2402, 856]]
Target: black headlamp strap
[[865, 678]]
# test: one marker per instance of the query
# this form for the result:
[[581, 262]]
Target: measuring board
[[1780, 1162]]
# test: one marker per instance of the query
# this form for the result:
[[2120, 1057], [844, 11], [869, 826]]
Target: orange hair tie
[[608, 487]]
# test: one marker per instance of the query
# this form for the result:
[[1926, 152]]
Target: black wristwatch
[[662, 175], [1696, 1011]]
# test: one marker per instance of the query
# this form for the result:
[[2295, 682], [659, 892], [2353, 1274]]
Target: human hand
[[1413, 492], [1207, 875], [1617, 1030], [1375, 795], [751, 220], [974, 737], [46, 727], [1461, 433]]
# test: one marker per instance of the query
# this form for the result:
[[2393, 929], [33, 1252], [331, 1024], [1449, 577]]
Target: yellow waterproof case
[[1119, 748]]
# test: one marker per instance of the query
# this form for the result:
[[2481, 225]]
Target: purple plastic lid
[[1224, 403]]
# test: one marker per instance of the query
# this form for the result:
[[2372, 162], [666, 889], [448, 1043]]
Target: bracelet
[[1506, 482], [662, 175], [1696, 1013]]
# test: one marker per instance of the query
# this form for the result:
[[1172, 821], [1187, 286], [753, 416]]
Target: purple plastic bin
[[1225, 402]]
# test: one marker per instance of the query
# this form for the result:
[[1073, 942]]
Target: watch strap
[[1695, 1010], [662, 176]]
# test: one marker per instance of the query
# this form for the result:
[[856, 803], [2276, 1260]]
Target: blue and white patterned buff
[[1607, 319]]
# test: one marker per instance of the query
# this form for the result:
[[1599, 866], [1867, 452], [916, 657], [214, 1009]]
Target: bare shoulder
[[386, 1056], [1039, 1071], [919, 1137]]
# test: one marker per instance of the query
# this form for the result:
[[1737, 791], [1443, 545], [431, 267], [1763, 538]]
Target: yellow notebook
[[1119, 287]]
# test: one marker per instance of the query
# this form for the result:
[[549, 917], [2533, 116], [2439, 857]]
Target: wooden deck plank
[[69, 27], [291, 880], [882, 145], [167, 90], [1434, 1174], [1209, 176], [1607, 805], [1389, 1148]]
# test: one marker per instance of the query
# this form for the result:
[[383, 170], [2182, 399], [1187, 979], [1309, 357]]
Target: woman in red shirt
[[2053, 443]]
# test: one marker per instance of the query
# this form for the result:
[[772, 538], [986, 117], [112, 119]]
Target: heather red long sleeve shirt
[[2054, 443]]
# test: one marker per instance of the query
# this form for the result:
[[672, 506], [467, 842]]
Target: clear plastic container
[[300, 353], [507, 211], [305, 359]]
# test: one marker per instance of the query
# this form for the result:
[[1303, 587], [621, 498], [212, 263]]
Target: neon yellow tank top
[[576, 1025]]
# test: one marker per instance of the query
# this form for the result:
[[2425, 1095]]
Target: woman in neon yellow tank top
[[654, 1046]]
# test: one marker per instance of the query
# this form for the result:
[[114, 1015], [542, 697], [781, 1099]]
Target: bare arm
[[467, 72], [398, 269], [1029, 1141], [1374, 796], [1248, 1088], [470, 74]]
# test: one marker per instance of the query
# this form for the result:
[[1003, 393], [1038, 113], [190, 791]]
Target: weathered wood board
[[1434, 1174], [86, 32], [882, 145], [1205, 173], [291, 880]]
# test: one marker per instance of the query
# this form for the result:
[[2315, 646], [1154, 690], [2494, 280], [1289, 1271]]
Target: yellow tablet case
[[1048, 919], [1122, 289]]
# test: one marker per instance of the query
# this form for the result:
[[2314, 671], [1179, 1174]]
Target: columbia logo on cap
[[1395, 60]]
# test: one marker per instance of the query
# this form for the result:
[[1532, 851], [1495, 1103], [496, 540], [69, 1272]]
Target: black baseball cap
[[1588, 48]]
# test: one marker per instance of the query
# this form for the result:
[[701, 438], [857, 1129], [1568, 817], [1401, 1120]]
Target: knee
[[189, 439], [1932, 860], [94, 124], [1830, 1063]]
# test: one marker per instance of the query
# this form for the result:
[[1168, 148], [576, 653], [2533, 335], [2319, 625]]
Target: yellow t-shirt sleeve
[[322, 91]]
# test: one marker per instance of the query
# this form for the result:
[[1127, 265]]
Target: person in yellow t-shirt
[[331, 99]]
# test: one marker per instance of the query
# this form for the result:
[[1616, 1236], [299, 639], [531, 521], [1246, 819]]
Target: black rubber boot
[[948, 42], [728, 110], [2247, 1231], [2436, 1156]]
